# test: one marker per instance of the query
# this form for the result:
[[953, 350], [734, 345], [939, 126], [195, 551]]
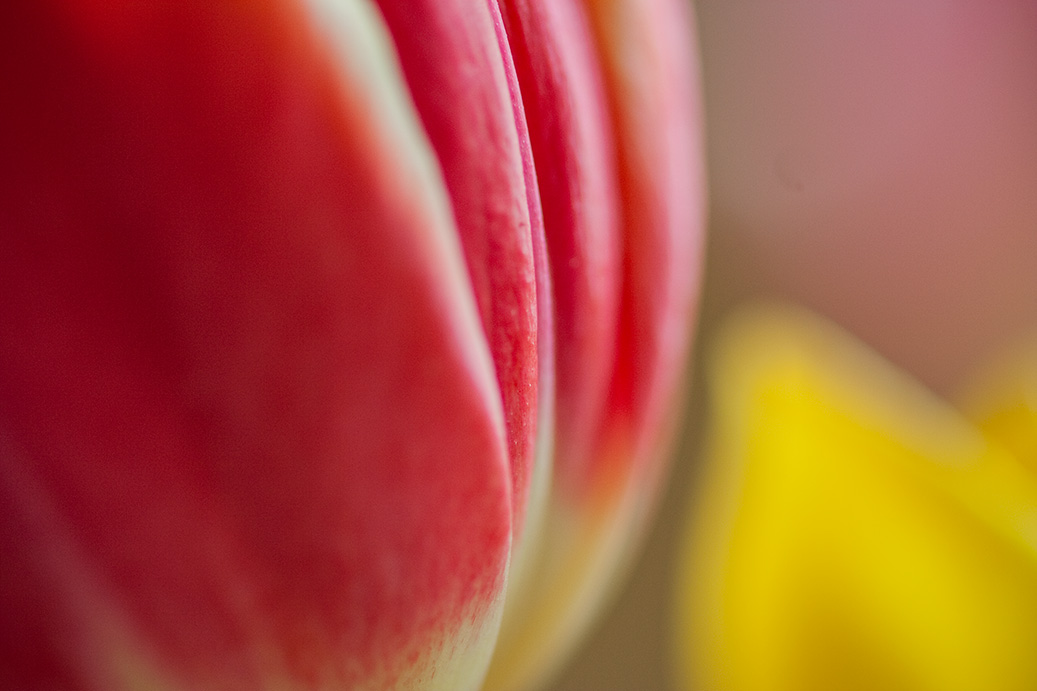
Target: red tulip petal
[[650, 68], [249, 430], [452, 58], [571, 140], [602, 502]]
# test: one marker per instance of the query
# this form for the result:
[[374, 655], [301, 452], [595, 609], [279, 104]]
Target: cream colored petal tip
[[850, 529]]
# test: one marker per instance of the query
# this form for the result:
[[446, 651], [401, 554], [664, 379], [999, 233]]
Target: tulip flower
[[333, 333], [855, 531]]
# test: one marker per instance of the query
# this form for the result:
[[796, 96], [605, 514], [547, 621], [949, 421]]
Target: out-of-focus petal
[[611, 449], [250, 433], [851, 531], [1002, 401]]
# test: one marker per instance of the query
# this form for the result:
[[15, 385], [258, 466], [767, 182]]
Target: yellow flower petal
[[852, 531]]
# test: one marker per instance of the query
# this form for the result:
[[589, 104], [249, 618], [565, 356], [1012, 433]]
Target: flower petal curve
[[231, 289], [605, 486]]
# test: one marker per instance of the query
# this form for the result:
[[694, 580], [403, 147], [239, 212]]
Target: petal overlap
[[314, 315]]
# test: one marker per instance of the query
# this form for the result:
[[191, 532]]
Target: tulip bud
[[327, 328]]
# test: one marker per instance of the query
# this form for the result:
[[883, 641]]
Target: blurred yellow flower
[[853, 531]]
